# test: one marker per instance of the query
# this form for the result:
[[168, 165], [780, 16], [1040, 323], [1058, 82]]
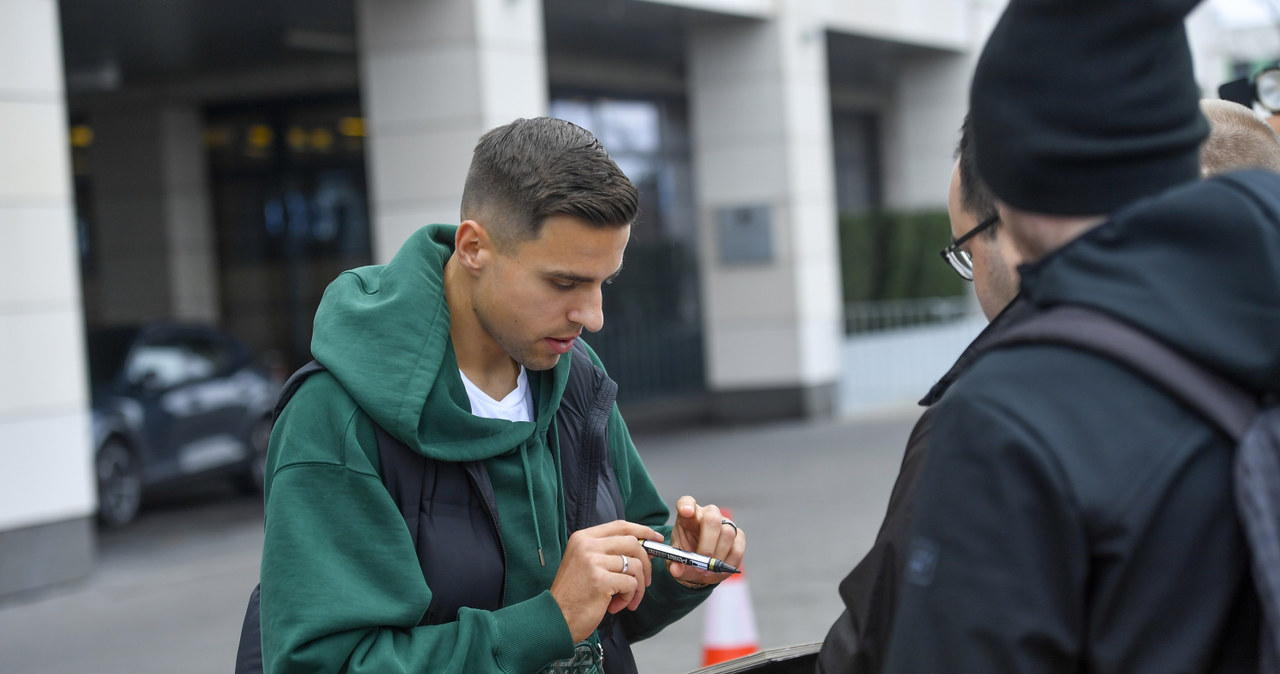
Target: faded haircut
[[1238, 139], [531, 169], [975, 196]]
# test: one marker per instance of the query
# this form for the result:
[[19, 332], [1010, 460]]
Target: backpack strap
[[1224, 404], [404, 481], [291, 386], [1257, 486], [1256, 477], [249, 651], [407, 493]]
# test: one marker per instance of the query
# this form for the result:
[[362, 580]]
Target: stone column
[[47, 494], [153, 221], [929, 102], [761, 129], [435, 75]]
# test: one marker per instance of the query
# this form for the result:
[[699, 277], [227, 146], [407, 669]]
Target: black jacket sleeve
[[997, 558], [857, 641]]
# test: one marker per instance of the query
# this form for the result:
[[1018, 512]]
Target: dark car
[[172, 402]]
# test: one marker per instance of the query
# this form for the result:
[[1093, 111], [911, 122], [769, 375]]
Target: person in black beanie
[[1073, 516], [1080, 107]]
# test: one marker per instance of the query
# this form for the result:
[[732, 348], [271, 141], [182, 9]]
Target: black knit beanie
[[1079, 107]]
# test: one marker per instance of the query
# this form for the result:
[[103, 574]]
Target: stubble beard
[[526, 354]]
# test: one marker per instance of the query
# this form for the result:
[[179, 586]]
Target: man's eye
[[563, 284]]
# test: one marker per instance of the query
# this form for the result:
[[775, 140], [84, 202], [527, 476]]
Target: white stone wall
[[935, 23], [761, 129], [753, 8], [44, 420], [434, 77], [929, 101]]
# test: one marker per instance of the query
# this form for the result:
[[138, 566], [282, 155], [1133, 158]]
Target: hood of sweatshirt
[[383, 332], [1197, 266]]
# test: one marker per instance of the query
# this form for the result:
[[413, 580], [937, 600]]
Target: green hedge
[[892, 255]]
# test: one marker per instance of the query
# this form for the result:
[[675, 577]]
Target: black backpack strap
[[249, 653], [1256, 478], [291, 385], [403, 479], [1219, 401], [404, 482], [1257, 486]]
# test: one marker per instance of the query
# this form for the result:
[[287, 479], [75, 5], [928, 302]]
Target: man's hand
[[706, 531], [593, 576]]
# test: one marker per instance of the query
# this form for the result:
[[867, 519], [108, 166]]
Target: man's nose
[[590, 312]]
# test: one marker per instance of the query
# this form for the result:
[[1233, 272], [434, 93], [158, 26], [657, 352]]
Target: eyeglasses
[[961, 260]]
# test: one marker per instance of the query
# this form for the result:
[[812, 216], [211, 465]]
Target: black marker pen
[[685, 557]]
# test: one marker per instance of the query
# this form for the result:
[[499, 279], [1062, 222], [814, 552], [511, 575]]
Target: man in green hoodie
[[461, 348]]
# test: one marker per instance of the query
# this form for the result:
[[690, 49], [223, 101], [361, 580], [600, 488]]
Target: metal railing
[[882, 315], [651, 359]]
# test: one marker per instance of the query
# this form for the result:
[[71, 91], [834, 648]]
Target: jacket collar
[[1017, 310]]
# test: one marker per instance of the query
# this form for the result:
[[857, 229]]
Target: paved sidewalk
[[167, 595], [810, 497]]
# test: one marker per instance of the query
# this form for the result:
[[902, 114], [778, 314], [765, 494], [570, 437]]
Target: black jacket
[[1072, 517], [857, 641]]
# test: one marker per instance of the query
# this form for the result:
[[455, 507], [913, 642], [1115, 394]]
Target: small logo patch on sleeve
[[922, 561]]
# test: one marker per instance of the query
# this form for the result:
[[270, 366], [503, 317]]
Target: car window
[[210, 353], [224, 352], [171, 360]]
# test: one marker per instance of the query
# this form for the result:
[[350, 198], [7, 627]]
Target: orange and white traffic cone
[[729, 630]]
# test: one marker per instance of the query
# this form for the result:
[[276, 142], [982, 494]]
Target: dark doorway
[[290, 210]]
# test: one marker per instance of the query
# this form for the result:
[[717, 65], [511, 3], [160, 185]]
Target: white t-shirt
[[517, 406]]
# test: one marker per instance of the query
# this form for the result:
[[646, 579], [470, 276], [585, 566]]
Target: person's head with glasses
[[977, 252]]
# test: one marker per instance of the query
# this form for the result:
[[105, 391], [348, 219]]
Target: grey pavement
[[168, 593]]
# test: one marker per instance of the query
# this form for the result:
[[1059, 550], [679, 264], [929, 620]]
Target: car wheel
[[255, 477], [119, 484]]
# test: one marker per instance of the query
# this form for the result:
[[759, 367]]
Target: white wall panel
[[48, 475]]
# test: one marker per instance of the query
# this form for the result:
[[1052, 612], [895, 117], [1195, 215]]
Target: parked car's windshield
[[107, 351]]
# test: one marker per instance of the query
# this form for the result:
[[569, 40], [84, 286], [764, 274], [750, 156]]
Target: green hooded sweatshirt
[[342, 589]]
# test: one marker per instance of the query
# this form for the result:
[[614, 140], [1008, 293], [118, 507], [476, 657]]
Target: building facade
[[221, 162]]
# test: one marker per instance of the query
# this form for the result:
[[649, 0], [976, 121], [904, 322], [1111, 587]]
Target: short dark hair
[[975, 196], [531, 169]]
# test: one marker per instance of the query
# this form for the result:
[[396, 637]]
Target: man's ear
[[472, 246]]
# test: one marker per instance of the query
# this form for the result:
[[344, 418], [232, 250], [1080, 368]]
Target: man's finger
[[686, 506], [621, 528]]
